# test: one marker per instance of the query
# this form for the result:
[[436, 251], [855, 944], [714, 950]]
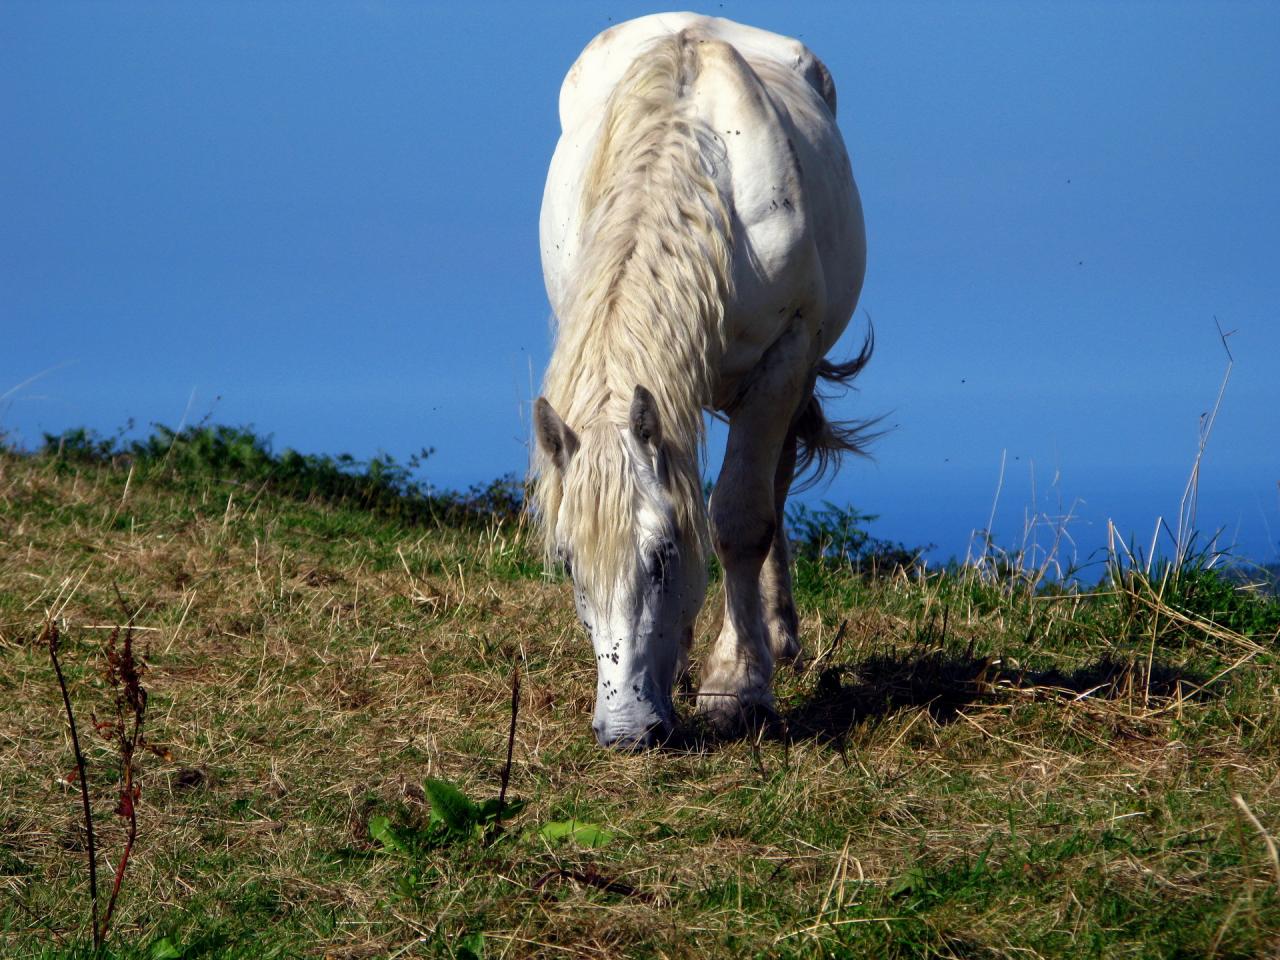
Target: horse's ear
[[645, 425], [555, 437]]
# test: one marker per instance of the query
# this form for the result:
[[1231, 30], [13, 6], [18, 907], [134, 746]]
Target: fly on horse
[[703, 248]]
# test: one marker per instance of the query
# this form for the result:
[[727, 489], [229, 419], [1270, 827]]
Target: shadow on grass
[[845, 697], [946, 683]]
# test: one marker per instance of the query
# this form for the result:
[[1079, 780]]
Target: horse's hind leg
[[781, 622], [744, 523]]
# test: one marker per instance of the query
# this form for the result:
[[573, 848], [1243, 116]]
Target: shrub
[[837, 536], [381, 485]]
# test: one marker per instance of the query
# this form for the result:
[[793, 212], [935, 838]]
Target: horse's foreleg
[[744, 523], [781, 623]]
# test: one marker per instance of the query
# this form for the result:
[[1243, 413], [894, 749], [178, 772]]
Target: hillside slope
[[965, 769]]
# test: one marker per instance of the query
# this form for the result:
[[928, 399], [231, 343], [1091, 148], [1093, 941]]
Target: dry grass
[[959, 773]]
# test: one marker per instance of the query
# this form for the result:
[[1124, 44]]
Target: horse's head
[[622, 518]]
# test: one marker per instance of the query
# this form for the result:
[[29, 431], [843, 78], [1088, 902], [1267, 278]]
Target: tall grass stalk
[[1191, 492]]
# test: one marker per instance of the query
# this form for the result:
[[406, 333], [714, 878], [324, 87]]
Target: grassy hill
[[967, 767]]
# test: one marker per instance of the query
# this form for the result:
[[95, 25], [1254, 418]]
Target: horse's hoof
[[733, 715]]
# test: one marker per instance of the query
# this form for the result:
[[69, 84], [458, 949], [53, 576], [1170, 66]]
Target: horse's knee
[[742, 533]]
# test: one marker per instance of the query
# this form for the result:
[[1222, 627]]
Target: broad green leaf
[[489, 809], [586, 834], [381, 830], [165, 949], [451, 805]]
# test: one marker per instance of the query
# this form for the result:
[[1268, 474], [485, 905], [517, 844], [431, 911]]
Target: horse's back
[[606, 58], [772, 147]]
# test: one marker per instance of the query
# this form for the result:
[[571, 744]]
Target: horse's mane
[[646, 306]]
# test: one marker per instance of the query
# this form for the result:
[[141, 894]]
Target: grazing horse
[[703, 249]]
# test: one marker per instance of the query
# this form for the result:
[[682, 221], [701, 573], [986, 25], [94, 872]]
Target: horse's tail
[[822, 442]]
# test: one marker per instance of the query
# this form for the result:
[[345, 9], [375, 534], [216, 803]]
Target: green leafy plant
[[460, 816], [453, 817], [470, 946]]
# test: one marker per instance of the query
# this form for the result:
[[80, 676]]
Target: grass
[[967, 768]]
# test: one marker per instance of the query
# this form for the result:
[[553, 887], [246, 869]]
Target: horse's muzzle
[[618, 739]]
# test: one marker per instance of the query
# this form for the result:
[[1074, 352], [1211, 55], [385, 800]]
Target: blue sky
[[321, 220]]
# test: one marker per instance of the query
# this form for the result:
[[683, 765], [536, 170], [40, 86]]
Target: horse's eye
[[658, 560], [656, 568]]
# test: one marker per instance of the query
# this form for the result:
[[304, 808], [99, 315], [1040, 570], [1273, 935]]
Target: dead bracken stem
[[124, 674], [50, 637]]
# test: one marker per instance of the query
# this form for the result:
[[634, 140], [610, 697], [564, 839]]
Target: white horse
[[703, 249]]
